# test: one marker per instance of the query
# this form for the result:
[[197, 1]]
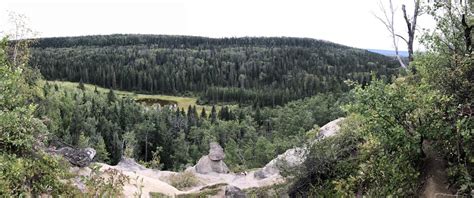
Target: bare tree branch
[[388, 21], [400, 36]]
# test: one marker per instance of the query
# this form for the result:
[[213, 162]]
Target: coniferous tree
[[111, 96], [193, 65], [81, 86], [213, 115], [203, 114], [101, 152]]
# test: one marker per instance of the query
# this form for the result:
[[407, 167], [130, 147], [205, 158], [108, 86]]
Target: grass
[[275, 190], [158, 195], [183, 180], [182, 102], [206, 191]]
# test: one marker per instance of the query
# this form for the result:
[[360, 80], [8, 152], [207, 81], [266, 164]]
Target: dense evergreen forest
[[400, 132], [174, 138], [267, 71]]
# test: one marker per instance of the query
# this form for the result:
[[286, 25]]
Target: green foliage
[[26, 176], [183, 180], [233, 156], [434, 104], [155, 162], [130, 145], [112, 117], [380, 174], [277, 190], [327, 161], [24, 169], [106, 183], [158, 195], [266, 71], [392, 115], [313, 133], [448, 68], [396, 120], [264, 151], [81, 85], [207, 191], [111, 96], [101, 151], [84, 141]]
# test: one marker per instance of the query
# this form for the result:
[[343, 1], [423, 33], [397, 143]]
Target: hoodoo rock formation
[[213, 162]]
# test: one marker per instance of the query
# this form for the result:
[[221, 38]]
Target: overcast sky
[[348, 22]]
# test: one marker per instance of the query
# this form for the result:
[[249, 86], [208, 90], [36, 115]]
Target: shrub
[[328, 160], [108, 183], [183, 180], [24, 176]]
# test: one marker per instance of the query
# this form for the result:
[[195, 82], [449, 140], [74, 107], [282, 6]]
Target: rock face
[[216, 152], [330, 129], [234, 192], [296, 156], [206, 165], [77, 157], [291, 158], [130, 164], [212, 163]]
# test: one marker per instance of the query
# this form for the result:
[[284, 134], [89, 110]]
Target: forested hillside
[[268, 71], [404, 135], [174, 138]]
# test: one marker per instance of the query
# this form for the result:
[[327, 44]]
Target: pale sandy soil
[[156, 181]]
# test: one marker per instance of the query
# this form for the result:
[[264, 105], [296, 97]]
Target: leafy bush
[[24, 176], [108, 183], [328, 160], [379, 174], [183, 180], [24, 169], [206, 191], [277, 190]]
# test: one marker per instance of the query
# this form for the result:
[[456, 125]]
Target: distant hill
[[268, 71], [389, 52]]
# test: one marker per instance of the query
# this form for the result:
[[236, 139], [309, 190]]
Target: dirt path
[[435, 175]]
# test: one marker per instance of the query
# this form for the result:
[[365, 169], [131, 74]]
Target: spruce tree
[[213, 115], [203, 113], [111, 96], [81, 86]]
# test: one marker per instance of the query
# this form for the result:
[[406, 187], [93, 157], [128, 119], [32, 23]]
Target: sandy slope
[[156, 181]]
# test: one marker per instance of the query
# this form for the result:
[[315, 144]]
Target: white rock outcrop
[[330, 129], [296, 156], [212, 163]]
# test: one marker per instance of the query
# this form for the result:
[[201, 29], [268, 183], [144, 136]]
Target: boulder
[[330, 129], [234, 192], [216, 152], [213, 162], [289, 159], [296, 156], [206, 165], [77, 157], [130, 164]]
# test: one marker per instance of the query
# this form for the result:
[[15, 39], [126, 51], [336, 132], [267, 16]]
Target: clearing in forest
[[148, 99]]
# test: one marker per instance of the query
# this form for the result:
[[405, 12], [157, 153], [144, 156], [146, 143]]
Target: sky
[[348, 22]]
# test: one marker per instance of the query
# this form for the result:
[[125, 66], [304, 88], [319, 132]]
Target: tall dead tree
[[388, 19], [22, 35], [411, 27]]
